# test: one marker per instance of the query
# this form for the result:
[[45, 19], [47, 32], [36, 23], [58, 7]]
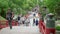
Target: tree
[[23, 5], [53, 6]]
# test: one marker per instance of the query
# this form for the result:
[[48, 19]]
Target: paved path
[[21, 30]]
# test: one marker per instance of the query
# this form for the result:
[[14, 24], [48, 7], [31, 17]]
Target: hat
[[50, 14]]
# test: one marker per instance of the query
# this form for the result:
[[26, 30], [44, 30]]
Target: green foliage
[[1, 18], [22, 6], [17, 6], [58, 28], [53, 5]]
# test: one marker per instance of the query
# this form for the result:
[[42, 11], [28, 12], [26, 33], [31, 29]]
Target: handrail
[[5, 24]]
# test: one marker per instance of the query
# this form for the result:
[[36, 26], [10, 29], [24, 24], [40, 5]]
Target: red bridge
[[4, 23], [44, 29]]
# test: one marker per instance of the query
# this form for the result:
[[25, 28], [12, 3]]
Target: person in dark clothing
[[9, 17], [36, 22], [33, 14], [18, 19], [33, 22]]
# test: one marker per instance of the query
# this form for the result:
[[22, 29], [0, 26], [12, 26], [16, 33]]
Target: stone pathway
[[21, 30]]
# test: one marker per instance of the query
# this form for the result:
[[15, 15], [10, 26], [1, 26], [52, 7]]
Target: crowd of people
[[21, 19]]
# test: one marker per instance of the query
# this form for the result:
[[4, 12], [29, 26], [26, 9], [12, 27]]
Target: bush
[[1, 18], [58, 28]]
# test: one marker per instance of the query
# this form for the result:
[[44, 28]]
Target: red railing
[[4, 23], [44, 29]]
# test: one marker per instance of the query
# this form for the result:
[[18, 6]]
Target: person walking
[[9, 17], [27, 21]]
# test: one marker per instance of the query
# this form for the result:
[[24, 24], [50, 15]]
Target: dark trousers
[[23, 22], [33, 22], [36, 22], [10, 24]]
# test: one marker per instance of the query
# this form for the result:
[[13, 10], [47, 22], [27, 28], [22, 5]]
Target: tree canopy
[[22, 6], [17, 6], [53, 5]]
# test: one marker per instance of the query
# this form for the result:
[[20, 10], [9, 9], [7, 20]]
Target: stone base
[[57, 32]]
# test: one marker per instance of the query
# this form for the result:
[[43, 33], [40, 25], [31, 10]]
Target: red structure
[[43, 28], [14, 23]]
